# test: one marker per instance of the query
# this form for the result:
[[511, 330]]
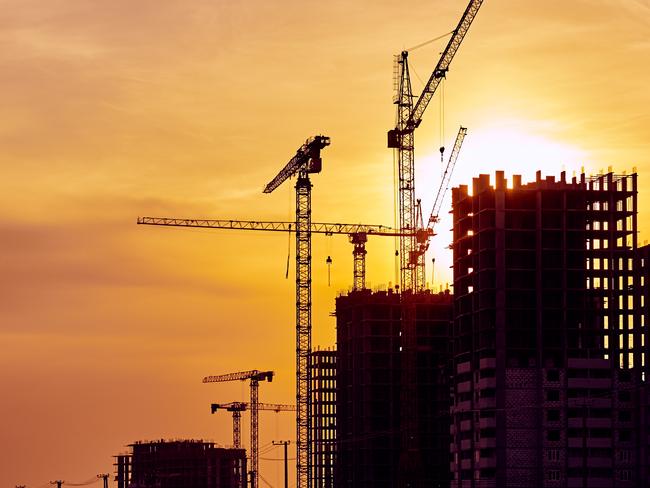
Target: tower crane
[[357, 233], [238, 407], [401, 138], [255, 377], [306, 161]]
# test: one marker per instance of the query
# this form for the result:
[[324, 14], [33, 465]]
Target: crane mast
[[307, 160], [402, 140], [412, 265], [255, 376], [409, 117]]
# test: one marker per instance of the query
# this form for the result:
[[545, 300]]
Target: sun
[[513, 146]]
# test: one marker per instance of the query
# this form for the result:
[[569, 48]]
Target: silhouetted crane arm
[[242, 375], [243, 406], [277, 407], [307, 158], [446, 178], [443, 64], [273, 226]]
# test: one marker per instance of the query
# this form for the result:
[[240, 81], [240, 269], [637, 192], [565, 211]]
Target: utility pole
[[286, 465], [104, 476]]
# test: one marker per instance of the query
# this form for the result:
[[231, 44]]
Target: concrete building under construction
[[549, 346], [371, 449], [181, 464], [323, 416]]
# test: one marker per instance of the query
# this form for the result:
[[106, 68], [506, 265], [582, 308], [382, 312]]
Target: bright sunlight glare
[[509, 147]]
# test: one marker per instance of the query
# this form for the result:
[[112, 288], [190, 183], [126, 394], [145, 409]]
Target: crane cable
[[286, 273], [430, 41], [442, 124]]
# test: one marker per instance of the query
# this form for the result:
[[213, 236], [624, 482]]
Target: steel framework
[[238, 407], [255, 376], [307, 160], [409, 117]]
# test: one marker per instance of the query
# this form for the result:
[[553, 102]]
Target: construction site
[[530, 373], [528, 369]]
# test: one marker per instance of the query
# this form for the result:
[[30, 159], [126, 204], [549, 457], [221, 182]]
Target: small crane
[[423, 237], [357, 233], [255, 376], [238, 407]]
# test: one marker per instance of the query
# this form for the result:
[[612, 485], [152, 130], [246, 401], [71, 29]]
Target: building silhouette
[[548, 345], [371, 382], [323, 416], [181, 464]]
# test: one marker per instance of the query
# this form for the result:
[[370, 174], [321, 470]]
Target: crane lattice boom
[[327, 228], [307, 159], [358, 234], [443, 64], [446, 178], [242, 375], [243, 406]]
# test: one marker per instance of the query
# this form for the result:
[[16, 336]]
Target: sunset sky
[[115, 109]]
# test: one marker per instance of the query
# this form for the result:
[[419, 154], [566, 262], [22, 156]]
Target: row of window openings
[[554, 374], [553, 395], [621, 224], [595, 283], [622, 455], [623, 241], [553, 415], [604, 263], [626, 361], [556, 475], [630, 344], [604, 283], [622, 205], [624, 435], [552, 474]]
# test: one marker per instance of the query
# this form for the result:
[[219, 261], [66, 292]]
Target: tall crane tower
[[306, 161], [358, 234], [238, 407], [401, 138], [255, 377]]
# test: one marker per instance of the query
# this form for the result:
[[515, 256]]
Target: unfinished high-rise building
[[548, 344], [373, 386], [181, 464], [322, 366]]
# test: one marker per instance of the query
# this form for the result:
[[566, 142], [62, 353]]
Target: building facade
[[323, 416], [379, 402], [181, 464], [548, 347]]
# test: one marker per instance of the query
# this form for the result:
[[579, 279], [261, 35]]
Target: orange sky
[[112, 110]]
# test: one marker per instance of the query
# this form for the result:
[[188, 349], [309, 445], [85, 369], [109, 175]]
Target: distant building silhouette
[[370, 385], [549, 343], [181, 464]]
